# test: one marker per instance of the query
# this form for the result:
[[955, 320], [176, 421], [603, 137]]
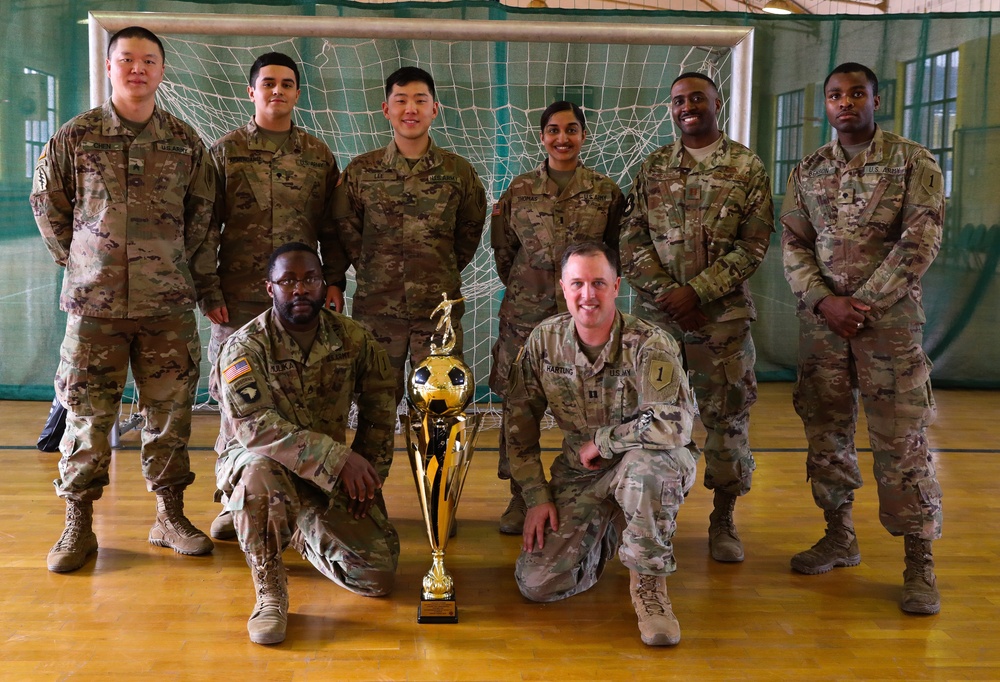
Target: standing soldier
[[560, 203], [123, 197], [287, 380], [276, 183], [863, 218], [410, 217], [698, 223], [615, 386]]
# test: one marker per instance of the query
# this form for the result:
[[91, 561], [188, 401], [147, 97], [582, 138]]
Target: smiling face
[[411, 109], [274, 97], [563, 136], [590, 286], [694, 106], [851, 107], [135, 68]]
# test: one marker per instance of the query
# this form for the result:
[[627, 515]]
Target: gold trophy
[[440, 445]]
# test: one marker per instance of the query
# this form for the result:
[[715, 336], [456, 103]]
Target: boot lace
[[648, 594]]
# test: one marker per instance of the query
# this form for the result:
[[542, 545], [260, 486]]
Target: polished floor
[[141, 612]]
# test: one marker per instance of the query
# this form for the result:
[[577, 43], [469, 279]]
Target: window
[[788, 137], [929, 107], [39, 110]]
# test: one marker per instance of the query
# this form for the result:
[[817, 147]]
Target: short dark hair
[[593, 249], [136, 32], [409, 74], [562, 105], [273, 59], [695, 74], [290, 247], [854, 67]]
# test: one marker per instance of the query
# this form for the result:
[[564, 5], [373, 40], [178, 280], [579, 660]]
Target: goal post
[[493, 77], [739, 39]]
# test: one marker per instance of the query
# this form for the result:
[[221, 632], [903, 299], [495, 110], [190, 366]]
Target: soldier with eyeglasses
[[286, 380]]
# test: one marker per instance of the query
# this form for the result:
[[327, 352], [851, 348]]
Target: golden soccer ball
[[441, 385]]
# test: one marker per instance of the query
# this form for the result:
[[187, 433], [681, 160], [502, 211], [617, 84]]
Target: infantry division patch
[[236, 370], [250, 393], [660, 374]]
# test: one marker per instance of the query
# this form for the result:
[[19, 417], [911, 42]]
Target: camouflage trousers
[[240, 313], [630, 508], [510, 339], [719, 359], [405, 339], [891, 373], [164, 354], [273, 508]]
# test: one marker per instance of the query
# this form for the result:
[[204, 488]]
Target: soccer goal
[[493, 78]]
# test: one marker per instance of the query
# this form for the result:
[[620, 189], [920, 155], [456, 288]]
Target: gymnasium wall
[[961, 291]]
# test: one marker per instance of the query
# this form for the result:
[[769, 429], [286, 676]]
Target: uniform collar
[[284, 347], [112, 126], [680, 158], [873, 154], [612, 349], [580, 182], [256, 141], [393, 159]]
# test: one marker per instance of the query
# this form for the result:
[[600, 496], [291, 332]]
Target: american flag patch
[[236, 370]]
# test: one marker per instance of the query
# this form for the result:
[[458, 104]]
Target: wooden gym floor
[[142, 612]]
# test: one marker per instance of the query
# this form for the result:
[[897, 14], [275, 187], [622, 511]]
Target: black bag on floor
[[55, 425]]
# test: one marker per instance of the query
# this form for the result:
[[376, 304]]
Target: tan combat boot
[[77, 541], [838, 547], [723, 540], [223, 527], [657, 624], [920, 593], [269, 619], [512, 519], [172, 529]]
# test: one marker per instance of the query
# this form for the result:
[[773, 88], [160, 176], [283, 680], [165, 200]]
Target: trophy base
[[437, 610]]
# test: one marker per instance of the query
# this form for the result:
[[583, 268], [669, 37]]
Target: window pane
[[938, 73], [910, 88], [953, 75]]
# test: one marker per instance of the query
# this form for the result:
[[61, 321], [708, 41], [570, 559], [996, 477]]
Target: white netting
[[491, 96]]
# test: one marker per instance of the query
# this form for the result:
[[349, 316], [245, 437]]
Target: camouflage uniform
[[267, 197], [706, 225], [409, 233], [867, 228], [280, 470], [532, 225], [635, 404], [127, 216]]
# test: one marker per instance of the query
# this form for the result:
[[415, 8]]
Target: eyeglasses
[[289, 284]]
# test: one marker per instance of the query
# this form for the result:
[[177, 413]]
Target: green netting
[[936, 86]]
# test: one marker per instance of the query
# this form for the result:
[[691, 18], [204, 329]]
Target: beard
[[289, 314]]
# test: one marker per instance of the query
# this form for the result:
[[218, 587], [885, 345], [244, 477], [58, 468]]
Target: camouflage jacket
[[704, 224], [868, 228], [126, 215], [408, 232], [635, 395], [531, 227], [268, 197], [293, 409]]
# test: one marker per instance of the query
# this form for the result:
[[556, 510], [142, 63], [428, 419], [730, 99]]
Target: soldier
[[275, 186], [863, 218], [698, 223], [561, 202], [617, 390], [286, 381], [123, 195], [410, 217]]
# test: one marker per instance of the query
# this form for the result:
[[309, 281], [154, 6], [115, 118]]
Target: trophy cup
[[440, 442]]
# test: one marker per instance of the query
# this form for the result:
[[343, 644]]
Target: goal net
[[493, 79]]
